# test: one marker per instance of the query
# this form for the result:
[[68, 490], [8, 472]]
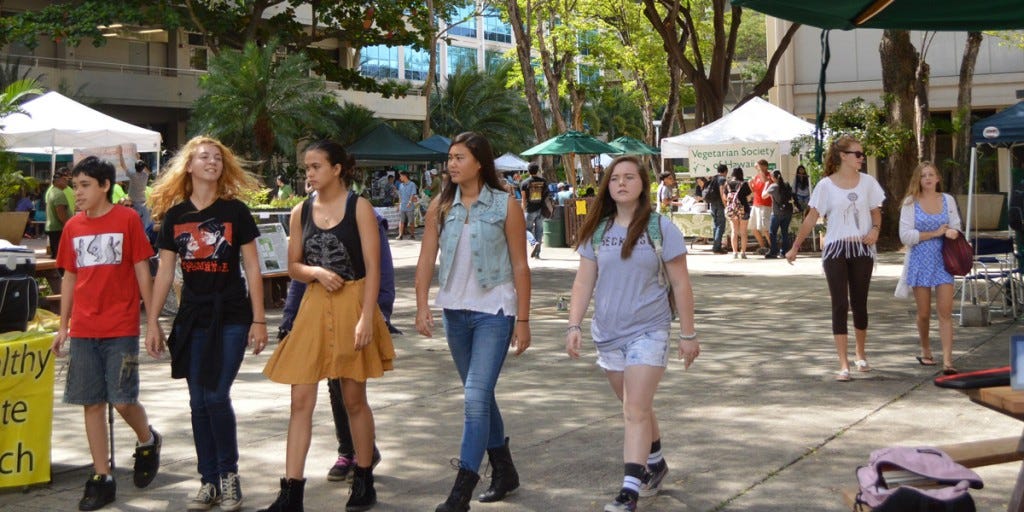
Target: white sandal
[[862, 365]]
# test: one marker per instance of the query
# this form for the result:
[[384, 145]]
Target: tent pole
[[970, 191]]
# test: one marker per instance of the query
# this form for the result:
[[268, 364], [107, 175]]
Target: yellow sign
[[581, 207], [26, 407]]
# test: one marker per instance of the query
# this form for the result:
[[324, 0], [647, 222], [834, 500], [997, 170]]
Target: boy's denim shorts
[[646, 348], [103, 370]]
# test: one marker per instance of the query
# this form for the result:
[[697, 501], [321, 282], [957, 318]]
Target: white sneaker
[[230, 492], [206, 498]]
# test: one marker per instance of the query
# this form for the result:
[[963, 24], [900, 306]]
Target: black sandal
[[922, 360], [949, 370]]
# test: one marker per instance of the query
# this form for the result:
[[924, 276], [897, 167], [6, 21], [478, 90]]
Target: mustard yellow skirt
[[321, 344]]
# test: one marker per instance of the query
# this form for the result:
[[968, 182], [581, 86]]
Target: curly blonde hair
[[175, 184]]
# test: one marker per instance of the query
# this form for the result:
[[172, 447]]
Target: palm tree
[[12, 181], [261, 103], [480, 102]]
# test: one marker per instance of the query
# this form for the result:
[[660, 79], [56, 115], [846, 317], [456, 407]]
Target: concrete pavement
[[757, 423]]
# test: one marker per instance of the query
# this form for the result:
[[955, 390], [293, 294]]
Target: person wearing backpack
[[630, 259], [782, 214], [737, 208], [535, 192], [714, 196]]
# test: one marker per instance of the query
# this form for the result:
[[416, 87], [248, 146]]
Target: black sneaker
[[147, 461], [342, 469], [99, 491], [624, 502]]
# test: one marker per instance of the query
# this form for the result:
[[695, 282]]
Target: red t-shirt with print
[[757, 184], [102, 253]]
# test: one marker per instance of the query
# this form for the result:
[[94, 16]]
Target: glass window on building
[[589, 74], [379, 61], [466, 28], [417, 62], [494, 28], [197, 58], [461, 58], [493, 59]]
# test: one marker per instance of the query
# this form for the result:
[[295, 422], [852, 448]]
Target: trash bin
[[554, 228]]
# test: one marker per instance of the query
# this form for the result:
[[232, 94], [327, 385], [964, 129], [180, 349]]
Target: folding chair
[[995, 279]]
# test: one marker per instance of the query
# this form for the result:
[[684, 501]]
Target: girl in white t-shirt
[[851, 202]]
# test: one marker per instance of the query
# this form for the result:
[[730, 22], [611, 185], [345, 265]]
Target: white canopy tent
[[56, 125], [509, 163], [755, 121]]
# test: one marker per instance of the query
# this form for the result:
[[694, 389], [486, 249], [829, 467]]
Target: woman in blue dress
[[927, 216]]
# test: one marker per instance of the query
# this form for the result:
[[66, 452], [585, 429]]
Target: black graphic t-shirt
[[209, 243], [338, 248], [536, 190]]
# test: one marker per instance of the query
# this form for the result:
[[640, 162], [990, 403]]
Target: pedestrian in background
[[927, 217], [851, 201], [630, 277], [781, 195], [737, 209], [217, 317], [535, 191], [484, 290], [802, 188]]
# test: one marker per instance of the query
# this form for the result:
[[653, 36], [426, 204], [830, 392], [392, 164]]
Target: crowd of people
[[336, 325]]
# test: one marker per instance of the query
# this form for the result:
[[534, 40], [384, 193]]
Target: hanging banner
[[704, 160], [26, 408]]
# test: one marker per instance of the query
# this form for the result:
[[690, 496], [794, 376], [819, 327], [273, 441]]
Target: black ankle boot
[[363, 496], [289, 499], [504, 477], [462, 492]]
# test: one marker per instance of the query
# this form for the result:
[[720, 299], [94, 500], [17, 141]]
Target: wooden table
[[1005, 400]]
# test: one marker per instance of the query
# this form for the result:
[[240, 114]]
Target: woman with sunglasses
[[851, 202]]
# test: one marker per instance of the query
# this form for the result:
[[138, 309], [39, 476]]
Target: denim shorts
[[103, 370], [646, 348]]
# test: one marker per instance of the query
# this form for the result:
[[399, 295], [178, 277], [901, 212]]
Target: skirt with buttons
[[321, 344]]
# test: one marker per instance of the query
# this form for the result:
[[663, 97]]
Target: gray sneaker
[[230, 492], [206, 498]]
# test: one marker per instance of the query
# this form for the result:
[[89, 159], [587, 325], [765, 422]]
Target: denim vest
[[487, 237]]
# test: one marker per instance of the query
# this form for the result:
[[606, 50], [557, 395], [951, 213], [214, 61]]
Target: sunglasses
[[858, 154]]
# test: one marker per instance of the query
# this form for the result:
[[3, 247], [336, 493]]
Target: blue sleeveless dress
[[925, 267]]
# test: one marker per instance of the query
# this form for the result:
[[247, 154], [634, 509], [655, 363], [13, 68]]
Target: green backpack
[[655, 238]]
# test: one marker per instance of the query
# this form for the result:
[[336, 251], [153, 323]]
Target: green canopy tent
[[385, 146], [904, 14], [571, 143]]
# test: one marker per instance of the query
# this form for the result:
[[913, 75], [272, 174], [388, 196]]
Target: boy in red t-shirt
[[102, 249]]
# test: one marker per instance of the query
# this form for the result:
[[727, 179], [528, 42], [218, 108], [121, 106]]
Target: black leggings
[[341, 429], [854, 275]]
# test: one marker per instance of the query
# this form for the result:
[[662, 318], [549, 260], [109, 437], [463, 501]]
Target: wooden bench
[[971, 454]]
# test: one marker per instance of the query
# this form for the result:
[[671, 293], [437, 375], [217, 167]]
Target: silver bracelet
[[688, 337], [574, 327]]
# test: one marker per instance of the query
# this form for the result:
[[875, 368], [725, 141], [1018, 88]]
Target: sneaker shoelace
[[206, 493], [230, 487]]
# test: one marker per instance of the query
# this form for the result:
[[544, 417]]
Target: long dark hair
[[481, 150], [336, 155], [603, 209], [802, 180]]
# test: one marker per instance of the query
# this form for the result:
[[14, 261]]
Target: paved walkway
[[758, 423]]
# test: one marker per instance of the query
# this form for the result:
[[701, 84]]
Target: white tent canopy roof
[[755, 121], [510, 162], [56, 124]]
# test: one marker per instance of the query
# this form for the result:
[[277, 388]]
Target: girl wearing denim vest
[[484, 290]]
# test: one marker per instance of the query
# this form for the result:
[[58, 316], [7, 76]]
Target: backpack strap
[[602, 227], [654, 236]]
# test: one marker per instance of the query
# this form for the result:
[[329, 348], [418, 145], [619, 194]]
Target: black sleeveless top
[[337, 249]]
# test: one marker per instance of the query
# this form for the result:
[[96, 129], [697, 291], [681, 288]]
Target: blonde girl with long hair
[[929, 216], [207, 228], [851, 202]]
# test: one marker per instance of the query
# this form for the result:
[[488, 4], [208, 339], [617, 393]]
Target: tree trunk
[[553, 76], [899, 66], [962, 116], [523, 44], [922, 114], [429, 82]]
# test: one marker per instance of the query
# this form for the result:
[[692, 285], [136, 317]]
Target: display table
[[26, 407]]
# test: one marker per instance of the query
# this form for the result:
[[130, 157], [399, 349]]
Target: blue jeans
[[718, 217], [479, 343], [780, 222], [213, 417], [535, 225]]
